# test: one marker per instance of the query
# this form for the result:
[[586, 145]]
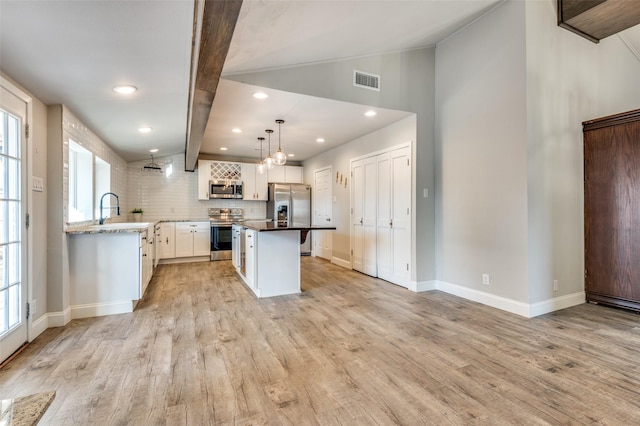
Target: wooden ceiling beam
[[214, 23], [598, 19]]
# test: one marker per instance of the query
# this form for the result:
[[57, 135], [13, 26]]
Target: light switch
[[425, 192], [38, 184]]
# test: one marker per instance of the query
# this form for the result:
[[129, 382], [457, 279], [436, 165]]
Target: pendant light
[[268, 161], [279, 158], [261, 164]]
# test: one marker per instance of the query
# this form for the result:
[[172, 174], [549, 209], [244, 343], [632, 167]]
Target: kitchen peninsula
[[267, 255]]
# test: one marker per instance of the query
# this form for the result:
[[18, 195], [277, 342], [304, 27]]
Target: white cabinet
[[146, 258], [254, 183], [166, 240], [204, 176], [251, 248], [192, 239], [285, 174]]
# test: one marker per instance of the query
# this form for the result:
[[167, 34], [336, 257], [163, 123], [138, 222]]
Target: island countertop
[[262, 226]]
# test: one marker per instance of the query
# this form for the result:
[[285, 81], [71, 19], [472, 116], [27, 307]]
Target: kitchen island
[[266, 255]]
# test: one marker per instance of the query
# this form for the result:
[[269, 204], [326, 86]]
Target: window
[[80, 183], [103, 185]]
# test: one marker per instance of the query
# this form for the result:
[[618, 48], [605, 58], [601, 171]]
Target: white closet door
[[384, 217], [400, 195], [363, 219]]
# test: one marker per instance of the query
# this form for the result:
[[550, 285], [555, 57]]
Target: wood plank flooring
[[200, 349]]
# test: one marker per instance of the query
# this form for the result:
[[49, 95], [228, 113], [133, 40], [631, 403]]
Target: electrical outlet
[[485, 279], [555, 285]]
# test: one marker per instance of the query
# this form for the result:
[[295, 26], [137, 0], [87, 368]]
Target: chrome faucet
[[117, 206]]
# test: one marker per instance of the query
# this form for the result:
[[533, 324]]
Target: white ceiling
[[307, 118], [74, 52]]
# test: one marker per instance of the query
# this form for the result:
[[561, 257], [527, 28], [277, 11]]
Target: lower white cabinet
[[235, 246], [108, 272], [251, 248], [192, 239], [166, 240]]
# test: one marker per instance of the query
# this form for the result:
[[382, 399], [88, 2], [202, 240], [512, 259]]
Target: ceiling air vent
[[366, 80]]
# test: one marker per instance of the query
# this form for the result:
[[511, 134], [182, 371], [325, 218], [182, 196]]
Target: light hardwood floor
[[200, 349]]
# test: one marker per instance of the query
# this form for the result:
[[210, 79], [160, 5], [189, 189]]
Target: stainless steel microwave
[[225, 189]]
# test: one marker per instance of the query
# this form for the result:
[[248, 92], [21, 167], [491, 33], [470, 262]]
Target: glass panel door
[[13, 330]]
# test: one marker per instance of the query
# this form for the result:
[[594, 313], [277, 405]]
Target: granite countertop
[[110, 228], [262, 226], [120, 227]]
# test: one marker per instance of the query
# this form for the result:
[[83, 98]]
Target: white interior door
[[13, 235], [322, 211]]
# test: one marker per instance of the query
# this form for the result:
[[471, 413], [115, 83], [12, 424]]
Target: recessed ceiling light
[[320, 140], [224, 148], [145, 129], [291, 155], [370, 113], [125, 90], [236, 130], [260, 95], [153, 150]]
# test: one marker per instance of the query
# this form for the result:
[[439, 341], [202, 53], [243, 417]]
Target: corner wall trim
[[526, 310], [341, 262], [38, 327], [420, 286], [557, 303]]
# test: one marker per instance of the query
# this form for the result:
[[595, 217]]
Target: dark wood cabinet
[[612, 209]]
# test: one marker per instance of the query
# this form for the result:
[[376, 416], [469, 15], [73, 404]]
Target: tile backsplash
[[173, 192]]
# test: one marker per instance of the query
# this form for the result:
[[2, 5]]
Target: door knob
[[360, 221], [328, 219]]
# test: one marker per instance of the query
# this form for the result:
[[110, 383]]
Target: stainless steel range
[[221, 220]]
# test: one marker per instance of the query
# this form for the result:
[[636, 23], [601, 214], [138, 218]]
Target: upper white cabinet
[[204, 176], [286, 174], [216, 170], [192, 239], [254, 184]]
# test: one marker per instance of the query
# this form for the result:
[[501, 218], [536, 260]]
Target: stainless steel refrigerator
[[291, 203]]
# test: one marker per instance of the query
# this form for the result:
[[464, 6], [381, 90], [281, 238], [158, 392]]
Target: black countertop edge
[[273, 226]]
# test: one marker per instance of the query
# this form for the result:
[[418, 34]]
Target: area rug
[[26, 410]]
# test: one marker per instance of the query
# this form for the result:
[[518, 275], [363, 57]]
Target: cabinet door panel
[[202, 241], [184, 242]]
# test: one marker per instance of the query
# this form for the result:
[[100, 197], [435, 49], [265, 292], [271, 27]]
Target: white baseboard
[[527, 310], [184, 260], [59, 319], [101, 309], [38, 326], [418, 286], [341, 262], [499, 302], [557, 303]]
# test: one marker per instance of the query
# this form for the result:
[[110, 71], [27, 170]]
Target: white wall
[[339, 158], [481, 155], [38, 156], [63, 125], [165, 196], [569, 80], [512, 90]]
